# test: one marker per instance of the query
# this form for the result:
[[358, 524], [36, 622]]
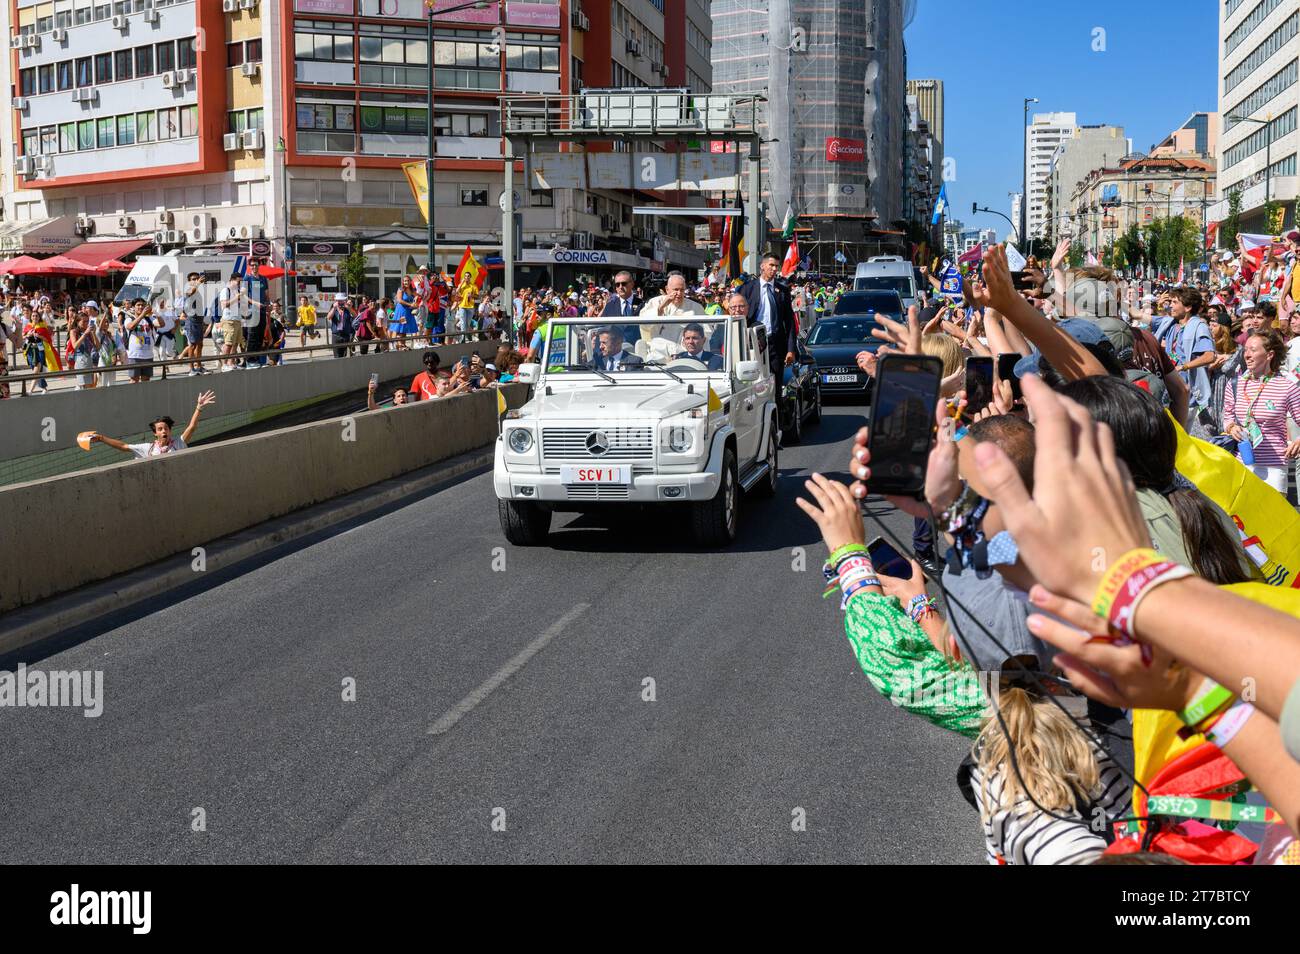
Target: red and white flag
[[791, 262]]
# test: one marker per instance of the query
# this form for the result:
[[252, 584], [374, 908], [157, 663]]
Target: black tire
[[795, 434], [524, 524], [767, 486], [816, 416], [713, 522]]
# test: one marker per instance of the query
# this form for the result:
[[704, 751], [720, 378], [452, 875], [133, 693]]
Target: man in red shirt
[[424, 386]]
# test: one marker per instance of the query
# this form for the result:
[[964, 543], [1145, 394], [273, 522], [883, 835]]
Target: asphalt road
[[229, 698]]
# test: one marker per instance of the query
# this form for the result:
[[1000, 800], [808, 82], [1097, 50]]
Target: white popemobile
[[674, 411]]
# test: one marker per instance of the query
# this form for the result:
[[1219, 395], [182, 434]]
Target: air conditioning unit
[[125, 223], [168, 237], [663, 70], [16, 41], [20, 103], [583, 241], [250, 69], [204, 229], [247, 4], [232, 233], [580, 21], [31, 42], [609, 223], [87, 94], [655, 66], [59, 34], [184, 76], [151, 16], [230, 141], [85, 225], [169, 78], [43, 163], [25, 165], [166, 217], [634, 46], [251, 139], [119, 22], [229, 6]]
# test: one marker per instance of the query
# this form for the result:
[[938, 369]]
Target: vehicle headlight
[[680, 440], [520, 440]]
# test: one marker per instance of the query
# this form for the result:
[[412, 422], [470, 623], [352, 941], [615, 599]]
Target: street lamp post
[[282, 148], [1024, 174], [1267, 123], [429, 6], [975, 208]]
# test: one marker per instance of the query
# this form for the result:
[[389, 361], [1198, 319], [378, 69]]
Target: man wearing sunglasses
[[623, 303]]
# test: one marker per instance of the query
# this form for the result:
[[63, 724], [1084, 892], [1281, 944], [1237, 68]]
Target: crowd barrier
[[87, 526]]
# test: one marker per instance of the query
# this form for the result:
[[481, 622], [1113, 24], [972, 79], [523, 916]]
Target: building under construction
[[834, 74]]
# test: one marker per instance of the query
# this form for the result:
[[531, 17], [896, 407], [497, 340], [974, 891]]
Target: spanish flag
[[46, 334], [417, 177], [471, 268]]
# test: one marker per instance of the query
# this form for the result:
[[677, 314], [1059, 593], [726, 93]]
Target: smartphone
[[902, 422], [887, 560], [374, 379], [1007, 372], [1022, 280], [979, 383]]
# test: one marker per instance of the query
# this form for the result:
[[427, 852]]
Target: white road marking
[[516, 663]]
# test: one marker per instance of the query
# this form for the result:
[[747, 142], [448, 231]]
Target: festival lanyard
[[1233, 809], [1250, 408]]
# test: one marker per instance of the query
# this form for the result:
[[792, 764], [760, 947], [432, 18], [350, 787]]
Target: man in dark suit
[[769, 305], [693, 342], [612, 356], [623, 303]]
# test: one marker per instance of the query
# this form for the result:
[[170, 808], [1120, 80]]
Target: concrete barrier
[[87, 526], [38, 424]]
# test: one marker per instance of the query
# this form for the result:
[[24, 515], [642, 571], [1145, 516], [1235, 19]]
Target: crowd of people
[[1108, 609]]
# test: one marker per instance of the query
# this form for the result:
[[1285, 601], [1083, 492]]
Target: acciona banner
[[839, 149]]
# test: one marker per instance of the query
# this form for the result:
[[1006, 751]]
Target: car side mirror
[[528, 373], [807, 359], [748, 370]]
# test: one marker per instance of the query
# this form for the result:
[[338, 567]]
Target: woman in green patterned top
[[892, 627]]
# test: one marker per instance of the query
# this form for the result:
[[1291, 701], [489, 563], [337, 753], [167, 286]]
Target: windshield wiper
[[660, 366], [593, 370]]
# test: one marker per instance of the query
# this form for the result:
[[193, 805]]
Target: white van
[[155, 276], [887, 273]]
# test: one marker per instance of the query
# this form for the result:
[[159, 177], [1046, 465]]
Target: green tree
[[1129, 246], [1232, 224], [352, 269], [1077, 254], [1273, 213]]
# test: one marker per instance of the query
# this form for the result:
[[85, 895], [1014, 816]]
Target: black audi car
[[836, 340], [801, 396]]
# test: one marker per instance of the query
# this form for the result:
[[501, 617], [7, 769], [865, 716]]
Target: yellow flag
[[715, 402], [501, 403], [418, 179], [1268, 526]]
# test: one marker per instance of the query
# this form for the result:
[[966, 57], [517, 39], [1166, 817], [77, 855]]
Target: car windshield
[[895, 283], [860, 303], [682, 345], [833, 331]]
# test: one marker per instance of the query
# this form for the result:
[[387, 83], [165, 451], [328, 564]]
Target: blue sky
[[1158, 67]]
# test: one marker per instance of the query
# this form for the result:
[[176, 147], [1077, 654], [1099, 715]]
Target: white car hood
[[624, 400]]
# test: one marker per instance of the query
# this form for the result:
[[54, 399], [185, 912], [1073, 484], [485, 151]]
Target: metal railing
[[380, 345]]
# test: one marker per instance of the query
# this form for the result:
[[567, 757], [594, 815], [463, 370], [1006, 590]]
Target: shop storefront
[[561, 267]]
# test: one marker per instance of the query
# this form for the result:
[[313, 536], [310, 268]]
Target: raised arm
[[1069, 357], [205, 398]]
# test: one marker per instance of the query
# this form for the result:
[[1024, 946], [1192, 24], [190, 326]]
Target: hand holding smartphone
[[979, 383], [902, 423]]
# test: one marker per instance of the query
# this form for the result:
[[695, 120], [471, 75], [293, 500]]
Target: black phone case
[[882, 481]]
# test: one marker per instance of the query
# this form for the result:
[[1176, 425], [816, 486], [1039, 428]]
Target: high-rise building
[[833, 72], [1042, 136], [988, 237], [1093, 147], [929, 103], [1016, 200], [295, 117], [1259, 69]]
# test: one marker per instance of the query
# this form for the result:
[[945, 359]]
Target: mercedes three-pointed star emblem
[[597, 443]]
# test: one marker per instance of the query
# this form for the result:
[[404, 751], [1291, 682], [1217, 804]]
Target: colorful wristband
[[919, 607], [1230, 723], [1209, 699], [841, 552]]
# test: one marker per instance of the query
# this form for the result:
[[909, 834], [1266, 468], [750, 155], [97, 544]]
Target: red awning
[[98, 254], [56, 265], [270, 272]]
